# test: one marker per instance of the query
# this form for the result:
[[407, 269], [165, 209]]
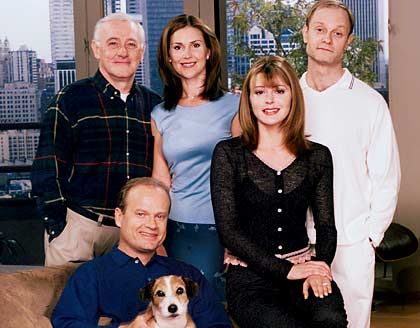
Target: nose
[[187, 52], [269, 97], [172, 308], [151, 222], [327, 37], [122, 51]]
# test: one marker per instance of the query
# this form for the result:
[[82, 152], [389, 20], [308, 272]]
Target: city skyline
[[35, 31]]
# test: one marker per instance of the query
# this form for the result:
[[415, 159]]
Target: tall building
[[370, 24], [62, 35], [62, 30], [157, 14], [4, 57], [65, 73], [22, 66], [136, 9]]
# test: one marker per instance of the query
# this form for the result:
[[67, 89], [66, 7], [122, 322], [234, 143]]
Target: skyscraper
[[157, 15], [62, 30], [22, 66], [370, 23], [4, 58], [62, 37]]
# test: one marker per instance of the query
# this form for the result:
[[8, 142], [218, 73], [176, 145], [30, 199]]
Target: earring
[[207, 57], [170, 60]]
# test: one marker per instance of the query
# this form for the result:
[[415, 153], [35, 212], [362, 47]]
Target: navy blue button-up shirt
[[109, 286]]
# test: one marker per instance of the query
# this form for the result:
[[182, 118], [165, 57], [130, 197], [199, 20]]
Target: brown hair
[[327, 4], [172, 91], [143, 181], [293, 126]]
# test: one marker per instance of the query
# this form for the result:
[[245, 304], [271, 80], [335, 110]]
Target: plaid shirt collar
[[107, 88]]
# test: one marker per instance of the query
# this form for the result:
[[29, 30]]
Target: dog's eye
[[160, 293], [180, 291]]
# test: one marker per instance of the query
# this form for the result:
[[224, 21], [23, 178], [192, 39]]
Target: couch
[[28, 297]]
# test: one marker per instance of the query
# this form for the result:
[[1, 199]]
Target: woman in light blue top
[[195, 115]]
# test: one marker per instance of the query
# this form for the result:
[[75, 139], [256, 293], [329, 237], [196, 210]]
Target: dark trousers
[[255, 302]]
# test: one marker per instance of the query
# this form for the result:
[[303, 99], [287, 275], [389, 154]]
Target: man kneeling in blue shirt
[[108, 286]]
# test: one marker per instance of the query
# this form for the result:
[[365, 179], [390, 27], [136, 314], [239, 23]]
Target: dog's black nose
[[172, 308]]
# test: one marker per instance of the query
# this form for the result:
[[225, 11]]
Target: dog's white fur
[[169, 297]]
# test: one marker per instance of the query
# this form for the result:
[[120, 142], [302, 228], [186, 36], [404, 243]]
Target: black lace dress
[[261, 212]]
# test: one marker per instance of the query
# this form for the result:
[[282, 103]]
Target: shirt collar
[[346, 81], [121, 259], [106, 88]]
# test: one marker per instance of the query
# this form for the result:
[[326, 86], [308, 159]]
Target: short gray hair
[[118, 17]]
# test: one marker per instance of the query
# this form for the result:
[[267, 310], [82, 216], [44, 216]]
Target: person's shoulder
[[319, 153], [230, 98], [229, 102], [367, 93], [178, 267], [230, 144], [159, 112], [150, 92], [75, 89]]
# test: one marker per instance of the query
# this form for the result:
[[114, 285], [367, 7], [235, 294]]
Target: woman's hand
[[304, 270], [321, 286], [229, 258]]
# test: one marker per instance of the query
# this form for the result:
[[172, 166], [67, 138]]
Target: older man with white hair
[[96, 135]]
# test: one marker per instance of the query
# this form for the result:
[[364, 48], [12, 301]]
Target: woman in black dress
[[262, 186]]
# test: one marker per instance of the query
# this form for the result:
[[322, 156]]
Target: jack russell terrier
[[169, 296]]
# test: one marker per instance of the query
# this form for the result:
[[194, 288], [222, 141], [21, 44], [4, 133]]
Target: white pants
[[353, 270], [81, 240]]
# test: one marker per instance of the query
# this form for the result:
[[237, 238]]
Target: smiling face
[[118, 50], [270, 100], [188, 53], [327, 36], [143, 222]]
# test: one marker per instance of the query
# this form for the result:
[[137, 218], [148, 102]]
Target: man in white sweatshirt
[[353, 120]]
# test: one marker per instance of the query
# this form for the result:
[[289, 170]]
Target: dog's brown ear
[[191, 286], [146, 291]]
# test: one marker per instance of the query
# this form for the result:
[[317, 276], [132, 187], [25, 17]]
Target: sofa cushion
[[27, 298]]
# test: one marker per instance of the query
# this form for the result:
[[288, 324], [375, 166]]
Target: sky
[[26, 22]]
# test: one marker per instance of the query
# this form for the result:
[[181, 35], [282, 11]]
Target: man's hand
[[304, 270], [321, 286], [143, 320], [53, 227], [53, 217]]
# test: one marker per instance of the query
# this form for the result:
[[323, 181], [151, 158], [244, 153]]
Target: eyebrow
[[117, 38], [179, 42], [322, 23]]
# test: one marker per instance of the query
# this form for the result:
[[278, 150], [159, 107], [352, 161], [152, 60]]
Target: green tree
[[277, 16]]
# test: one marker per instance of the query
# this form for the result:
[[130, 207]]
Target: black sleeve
[[225, 181], [52, 166], [322, 204]]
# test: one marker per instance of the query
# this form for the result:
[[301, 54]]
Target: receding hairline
[[334, 5], [119, 17], [138, 182]]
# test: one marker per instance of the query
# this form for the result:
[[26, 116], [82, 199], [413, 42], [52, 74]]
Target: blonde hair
[[328, 4], [143, 181]]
